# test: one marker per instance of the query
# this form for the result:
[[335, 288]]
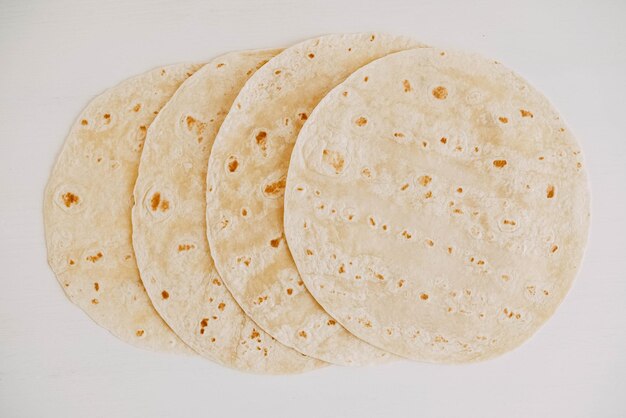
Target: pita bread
[[169, 234], [87, 208], [439, 210], [246, 181]]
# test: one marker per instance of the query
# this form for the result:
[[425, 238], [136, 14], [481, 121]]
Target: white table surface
[[54, 362]]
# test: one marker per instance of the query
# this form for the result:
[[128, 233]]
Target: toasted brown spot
[[406, 234], [331, 322], [398, 134], [217, 282], [94, 301], [404, 186], [204, 322], [401, 282], [70, 199], [440, 339], [366, 79], [449, 250], [554, 248], [443, 140], [164, 294], [424, 296], [459, 190], [276, 188], [221, 306], [309, 252], [457, 211], [303, 116], [509, 222], [361, 121], [440, 92], [155, 200], [503, 119], [107, 116], [526, 113], [302, 334], [220, 65], [137, 107], [261, 140], [277, 72], [499, 163], [342, 269], [372, 221], [139, 332], [344, 94], [233, 164], [428, 194], [430, 242], [424, 180], [550, 192], [289, 291], [185, 247], [71, 262], [84, 122], [96, 286], [94, 258], [372, 38], [244, 212], [407, 86], [334, 159], [311, 55], [276, 241]]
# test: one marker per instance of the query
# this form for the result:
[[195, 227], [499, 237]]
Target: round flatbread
[[87, 208], [169, 233], [438, 210], [246, 182]]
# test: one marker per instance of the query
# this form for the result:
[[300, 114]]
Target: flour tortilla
[[170, 241], [246, 175], [87, 208], [440, 210]]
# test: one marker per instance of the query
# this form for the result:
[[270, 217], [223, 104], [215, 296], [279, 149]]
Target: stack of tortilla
[[349, 200]]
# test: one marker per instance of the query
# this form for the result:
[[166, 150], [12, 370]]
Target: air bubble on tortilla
[[159, 203], [508, 224], [274, 189], [334, 160]]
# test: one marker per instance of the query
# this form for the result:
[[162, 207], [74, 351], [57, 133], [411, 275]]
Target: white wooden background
[[56, 55]]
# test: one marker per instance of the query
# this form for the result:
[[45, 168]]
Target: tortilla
[[169, 233], [439, 210], [246, 181], [87, 208]]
